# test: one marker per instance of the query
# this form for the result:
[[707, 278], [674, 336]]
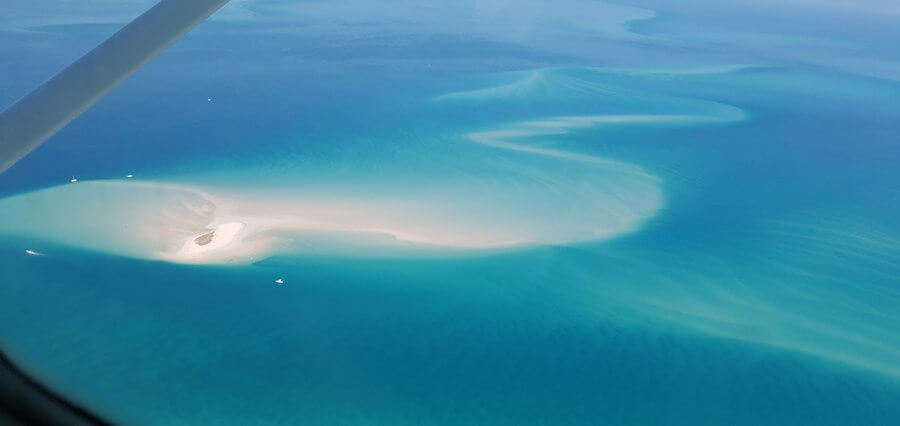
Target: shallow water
[[472, 229]]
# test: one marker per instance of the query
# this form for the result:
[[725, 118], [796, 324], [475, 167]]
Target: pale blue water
[[757, 284]]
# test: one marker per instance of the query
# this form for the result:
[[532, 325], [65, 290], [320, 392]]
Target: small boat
[[31, 252], [73, 180], [129, 176], [279, 281]]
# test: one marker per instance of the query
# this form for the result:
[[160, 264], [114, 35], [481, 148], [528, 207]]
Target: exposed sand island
[[220, 237], [204, 239]]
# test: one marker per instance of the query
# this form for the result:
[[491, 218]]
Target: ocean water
[[573, 213]]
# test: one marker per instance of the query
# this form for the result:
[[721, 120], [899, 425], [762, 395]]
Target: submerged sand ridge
[[518, 188], [148, 220], [160, 221], [134, 219]]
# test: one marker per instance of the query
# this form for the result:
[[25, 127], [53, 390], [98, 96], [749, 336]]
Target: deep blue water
[[760, 286]]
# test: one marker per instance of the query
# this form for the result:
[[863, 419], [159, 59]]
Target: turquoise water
[[570, 225]]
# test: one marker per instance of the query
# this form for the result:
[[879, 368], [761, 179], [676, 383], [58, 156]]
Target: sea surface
[[484, 213]]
